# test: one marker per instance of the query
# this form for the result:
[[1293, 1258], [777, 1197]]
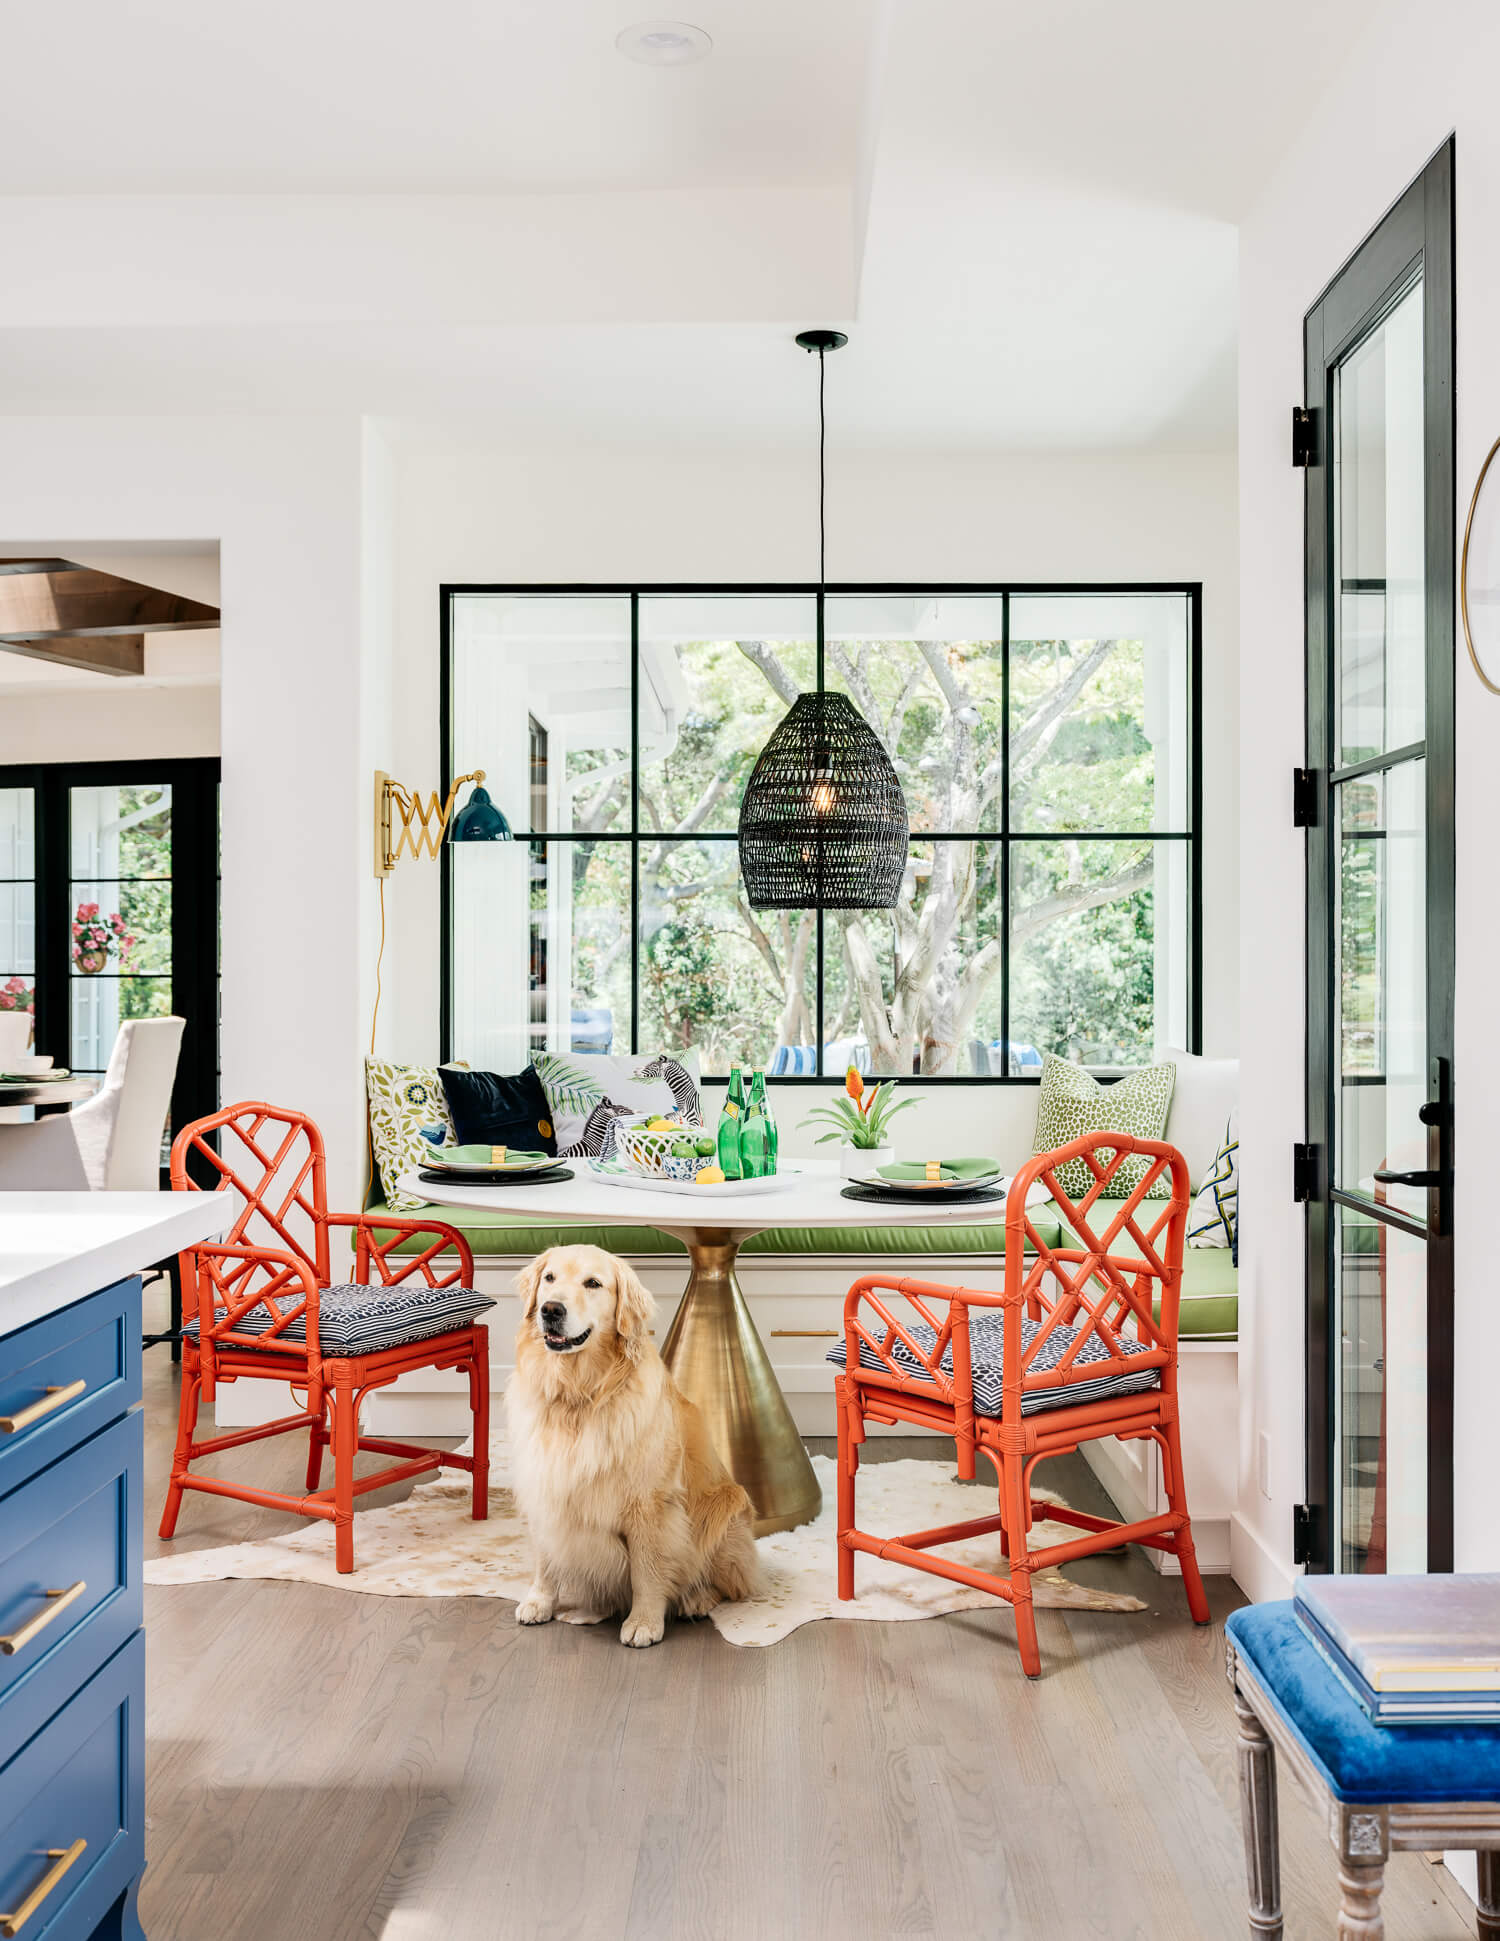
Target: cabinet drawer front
[[80, 1779], [96, 1342], [75, 1523]]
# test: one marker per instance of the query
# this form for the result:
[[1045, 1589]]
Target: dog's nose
[[554, 1313]]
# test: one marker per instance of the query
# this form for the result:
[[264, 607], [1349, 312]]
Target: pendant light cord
[[822, 508]]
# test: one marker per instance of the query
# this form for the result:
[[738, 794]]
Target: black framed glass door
[[1378, 799], [109, 901]]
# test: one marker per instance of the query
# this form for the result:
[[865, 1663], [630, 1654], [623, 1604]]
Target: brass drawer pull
[[62, 1858], [60, 1600], [805, 1334], [55, 1398]]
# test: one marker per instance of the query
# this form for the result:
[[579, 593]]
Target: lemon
[[709, 1176], [659, 1125]]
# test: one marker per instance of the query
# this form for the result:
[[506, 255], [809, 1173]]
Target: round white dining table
[[713, 1349]]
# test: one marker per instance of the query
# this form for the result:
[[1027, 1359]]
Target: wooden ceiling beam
[[90, 654], [55, 599]]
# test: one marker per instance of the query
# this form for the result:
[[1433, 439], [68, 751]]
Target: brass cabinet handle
[[62, 1858], [59, 1602], [55, 1398], [806, 1334]]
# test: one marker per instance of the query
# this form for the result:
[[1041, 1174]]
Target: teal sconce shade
[[480, 821]]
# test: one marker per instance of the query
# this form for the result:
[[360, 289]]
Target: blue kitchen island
[[72, 1646]]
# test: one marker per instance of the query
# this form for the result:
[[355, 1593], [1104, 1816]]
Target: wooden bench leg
[[1258, 1817], [1362, 1838], [1360, 1918], [1489, 1894]]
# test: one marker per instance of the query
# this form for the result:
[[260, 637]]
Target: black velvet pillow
[[489, 1110]]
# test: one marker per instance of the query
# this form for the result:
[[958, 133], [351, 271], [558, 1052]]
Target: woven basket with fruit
[[665, 1148]]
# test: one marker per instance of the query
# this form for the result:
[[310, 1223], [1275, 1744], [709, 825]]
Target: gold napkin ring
[[497, 1155], [934, 1171]]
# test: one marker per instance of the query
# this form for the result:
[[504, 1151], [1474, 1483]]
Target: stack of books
[[1412, 1650]]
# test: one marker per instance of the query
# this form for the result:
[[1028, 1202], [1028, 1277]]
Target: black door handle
[[1408, 1179]]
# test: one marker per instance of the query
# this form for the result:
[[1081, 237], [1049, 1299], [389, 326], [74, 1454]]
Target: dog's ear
[[635, 1309], [528, 1281]]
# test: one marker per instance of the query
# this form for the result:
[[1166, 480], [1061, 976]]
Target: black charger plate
[[459, 1176], [922, 1195]]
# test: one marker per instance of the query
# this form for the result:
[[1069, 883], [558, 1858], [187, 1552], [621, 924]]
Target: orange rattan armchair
[[1081, 1344], [262, 1307]]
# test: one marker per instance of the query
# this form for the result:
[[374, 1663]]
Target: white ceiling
[[477, 214], [379, 97]]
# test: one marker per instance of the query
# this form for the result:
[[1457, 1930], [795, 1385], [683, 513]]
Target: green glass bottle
[[731, 1120], [757, 1136], [758, 1141]]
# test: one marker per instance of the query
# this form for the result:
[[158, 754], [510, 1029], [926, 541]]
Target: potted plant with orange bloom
[[860, 1121]]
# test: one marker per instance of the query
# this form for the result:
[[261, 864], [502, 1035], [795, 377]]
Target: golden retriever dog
[[628, 1505]]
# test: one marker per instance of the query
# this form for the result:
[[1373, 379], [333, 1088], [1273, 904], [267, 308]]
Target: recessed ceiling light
[[664, 43]]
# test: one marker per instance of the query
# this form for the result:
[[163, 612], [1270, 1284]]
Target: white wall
[[495, 516], [286, 501], [1419, 75]]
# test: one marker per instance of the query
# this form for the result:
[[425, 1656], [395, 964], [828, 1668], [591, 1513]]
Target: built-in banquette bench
[[795, 1281]]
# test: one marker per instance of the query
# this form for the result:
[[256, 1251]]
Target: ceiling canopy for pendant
[[823, 823]]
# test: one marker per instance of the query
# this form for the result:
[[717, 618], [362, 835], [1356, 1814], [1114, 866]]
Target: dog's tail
[[716, 1512], [721, 1523]]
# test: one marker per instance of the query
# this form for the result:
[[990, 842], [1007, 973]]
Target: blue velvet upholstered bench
[[1383, 1787]]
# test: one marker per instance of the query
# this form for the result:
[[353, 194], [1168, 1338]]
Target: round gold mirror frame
[[1463, 569]]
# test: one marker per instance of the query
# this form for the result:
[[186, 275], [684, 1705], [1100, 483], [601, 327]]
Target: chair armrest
[[864, 1305], [372, 1252], [213, 1287]]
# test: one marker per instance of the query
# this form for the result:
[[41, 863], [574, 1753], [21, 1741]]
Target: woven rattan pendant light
[[823, 824]]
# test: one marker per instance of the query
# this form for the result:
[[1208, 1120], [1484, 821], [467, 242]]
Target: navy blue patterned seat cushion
[[355, 1320], [987, 1344]]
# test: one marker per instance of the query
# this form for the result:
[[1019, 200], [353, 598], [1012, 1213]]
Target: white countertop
[[57, 1247]]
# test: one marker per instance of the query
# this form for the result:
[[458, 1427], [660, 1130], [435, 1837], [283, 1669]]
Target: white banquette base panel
[[798, 1305]]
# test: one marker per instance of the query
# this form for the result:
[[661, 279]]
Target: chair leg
[[187, 1423], [345, 1441], [1187, 1555], [317, 1443], [479, 1408], [1489, 1893], [1013, 1507], [174, 1283], [848, 1460]]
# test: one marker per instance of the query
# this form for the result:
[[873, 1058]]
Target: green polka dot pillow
[[1072, 1102]]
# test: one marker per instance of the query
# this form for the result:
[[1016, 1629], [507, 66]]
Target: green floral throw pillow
[[1072, 1102], [403, 1099]]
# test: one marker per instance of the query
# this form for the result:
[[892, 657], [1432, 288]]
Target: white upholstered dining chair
[[110, 1143]]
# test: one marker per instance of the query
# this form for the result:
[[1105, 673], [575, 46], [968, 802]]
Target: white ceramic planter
[[858, 1162]]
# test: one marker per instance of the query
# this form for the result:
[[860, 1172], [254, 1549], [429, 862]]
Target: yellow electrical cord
[[379, 959]]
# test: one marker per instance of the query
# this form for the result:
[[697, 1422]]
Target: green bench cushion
[[1210, 1281]]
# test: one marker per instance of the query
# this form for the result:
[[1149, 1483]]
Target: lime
[[707, 1146]]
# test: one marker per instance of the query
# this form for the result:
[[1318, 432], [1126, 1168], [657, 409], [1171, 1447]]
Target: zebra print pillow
[[588, 1091]]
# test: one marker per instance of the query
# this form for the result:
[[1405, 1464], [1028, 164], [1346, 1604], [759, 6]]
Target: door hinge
[[1304, 798], [1304, 435], [1304, 1173], [1307, 1526]]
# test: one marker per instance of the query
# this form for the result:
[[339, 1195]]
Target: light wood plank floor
[[328, 1765]]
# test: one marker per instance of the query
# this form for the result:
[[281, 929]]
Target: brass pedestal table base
[[720, 1363]]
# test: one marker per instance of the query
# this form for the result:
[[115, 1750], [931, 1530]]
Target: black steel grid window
[[1047, 739]]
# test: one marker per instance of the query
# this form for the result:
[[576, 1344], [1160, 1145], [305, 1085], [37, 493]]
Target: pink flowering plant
[[98, 938], [17, 995]]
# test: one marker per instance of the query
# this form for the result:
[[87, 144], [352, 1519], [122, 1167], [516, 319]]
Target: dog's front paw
[[641, 1631], [535, 1610], [698, 1603]]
